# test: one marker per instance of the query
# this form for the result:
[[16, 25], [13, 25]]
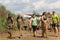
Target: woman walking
[[44, 25], [10, 25], [34, 24], [29, 24], [20, 24], [55, 22]]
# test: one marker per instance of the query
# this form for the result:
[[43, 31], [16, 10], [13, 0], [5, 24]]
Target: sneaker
[[19, 37], [34, 35], [42, 36]]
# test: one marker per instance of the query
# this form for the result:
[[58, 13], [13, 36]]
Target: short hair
[[33, 15], [53, 11]]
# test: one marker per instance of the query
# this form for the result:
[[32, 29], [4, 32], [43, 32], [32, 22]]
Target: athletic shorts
[[10, 26], [34, 28], [55, 24], [25, 26], [19, 26]]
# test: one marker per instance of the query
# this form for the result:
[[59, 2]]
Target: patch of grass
[[1, 23]]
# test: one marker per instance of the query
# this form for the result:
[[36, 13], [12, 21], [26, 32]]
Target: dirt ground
[[29, 36]]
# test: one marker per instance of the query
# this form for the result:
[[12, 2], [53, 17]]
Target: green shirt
[[55, 17], [34, 22]]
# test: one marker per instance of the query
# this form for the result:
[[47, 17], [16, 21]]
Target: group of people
[[46, 21], [52, 21]]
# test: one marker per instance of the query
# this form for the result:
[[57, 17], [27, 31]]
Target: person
[[25, 24], [34, 24], [50, 21], [29, 24], [44, 25], [55, 22], [39, 23], [10, 25], [19, 24]]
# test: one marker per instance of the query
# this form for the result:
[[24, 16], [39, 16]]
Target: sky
[[27, 6]]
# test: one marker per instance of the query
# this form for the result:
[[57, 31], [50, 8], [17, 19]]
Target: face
[[53, 12], [19, 15], [33, 16]]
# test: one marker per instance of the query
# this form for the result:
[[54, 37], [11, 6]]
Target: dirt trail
[[28, 36]]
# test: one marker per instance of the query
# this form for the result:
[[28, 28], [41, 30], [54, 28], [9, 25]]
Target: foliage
[[3, 16], [36, 13]]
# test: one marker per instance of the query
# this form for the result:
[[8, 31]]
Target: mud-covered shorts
[[19, 26], [10, 26]]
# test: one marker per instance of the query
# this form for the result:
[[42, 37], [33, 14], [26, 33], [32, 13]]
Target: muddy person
[[29, 24], [19, 24], [39, 23], [25, 24], [44, 25], [10, 25], [34, 24], [50, 21], [55, 22]]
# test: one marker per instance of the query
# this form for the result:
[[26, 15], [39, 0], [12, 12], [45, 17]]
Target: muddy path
[[29, 36]]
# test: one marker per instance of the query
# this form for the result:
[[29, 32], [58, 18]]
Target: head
[[53, 12], [48, 13], [19, 15], [22, 19], [33, 15], [9, 15], [29, 18], [44, 13]]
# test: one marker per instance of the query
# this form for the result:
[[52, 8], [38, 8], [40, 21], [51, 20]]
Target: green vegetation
[[36, 13], [3, 15]]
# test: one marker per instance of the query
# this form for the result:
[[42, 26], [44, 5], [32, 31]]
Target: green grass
[[1, 23]]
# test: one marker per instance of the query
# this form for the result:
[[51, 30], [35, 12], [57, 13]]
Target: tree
[[3, 15], [36, 13], [2, 10]]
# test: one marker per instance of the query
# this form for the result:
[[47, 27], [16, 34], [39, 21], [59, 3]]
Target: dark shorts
[[18, 26], [55, 25], [34, 28], [25, 26]]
